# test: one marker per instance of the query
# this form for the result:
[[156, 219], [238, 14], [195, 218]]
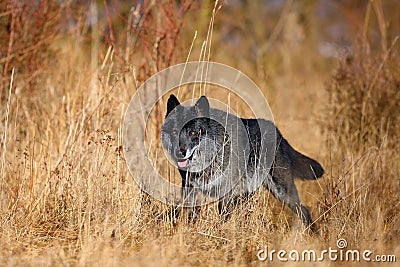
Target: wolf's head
[[189, 135]]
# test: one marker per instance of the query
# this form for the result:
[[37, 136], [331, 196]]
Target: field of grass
[[66, 195]]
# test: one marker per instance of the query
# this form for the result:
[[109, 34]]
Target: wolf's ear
[[172, 103], [202, 107]]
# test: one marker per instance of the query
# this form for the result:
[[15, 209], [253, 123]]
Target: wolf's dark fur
[[201, 146]]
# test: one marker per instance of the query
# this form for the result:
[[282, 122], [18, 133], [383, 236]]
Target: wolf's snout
[[180, 152]]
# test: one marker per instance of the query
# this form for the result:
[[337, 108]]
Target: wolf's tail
[[304, 167]]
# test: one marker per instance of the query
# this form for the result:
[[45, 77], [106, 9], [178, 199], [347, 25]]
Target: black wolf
[[227, 157]]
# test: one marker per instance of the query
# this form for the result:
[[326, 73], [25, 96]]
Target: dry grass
[[67, 198]]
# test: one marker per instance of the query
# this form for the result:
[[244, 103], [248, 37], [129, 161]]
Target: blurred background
[[263, 38]]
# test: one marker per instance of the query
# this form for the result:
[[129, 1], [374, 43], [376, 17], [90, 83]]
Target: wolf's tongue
[[182, 164]]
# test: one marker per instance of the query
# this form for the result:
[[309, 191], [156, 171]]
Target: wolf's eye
[[192, 133]]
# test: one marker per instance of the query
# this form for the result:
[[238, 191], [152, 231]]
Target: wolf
[[229, 158]]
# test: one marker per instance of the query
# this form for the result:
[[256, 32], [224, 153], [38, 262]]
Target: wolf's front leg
[[189, 209], [188, 194]]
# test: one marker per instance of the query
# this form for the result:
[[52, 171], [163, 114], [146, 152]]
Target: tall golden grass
[[67, 198]]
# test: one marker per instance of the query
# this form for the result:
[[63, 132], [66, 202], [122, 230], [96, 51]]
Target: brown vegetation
[[66, 196]]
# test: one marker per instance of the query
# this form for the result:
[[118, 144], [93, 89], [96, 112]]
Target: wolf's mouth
[[182, 163]]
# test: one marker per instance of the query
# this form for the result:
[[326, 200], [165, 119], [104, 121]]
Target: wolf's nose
[[180, 153]]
